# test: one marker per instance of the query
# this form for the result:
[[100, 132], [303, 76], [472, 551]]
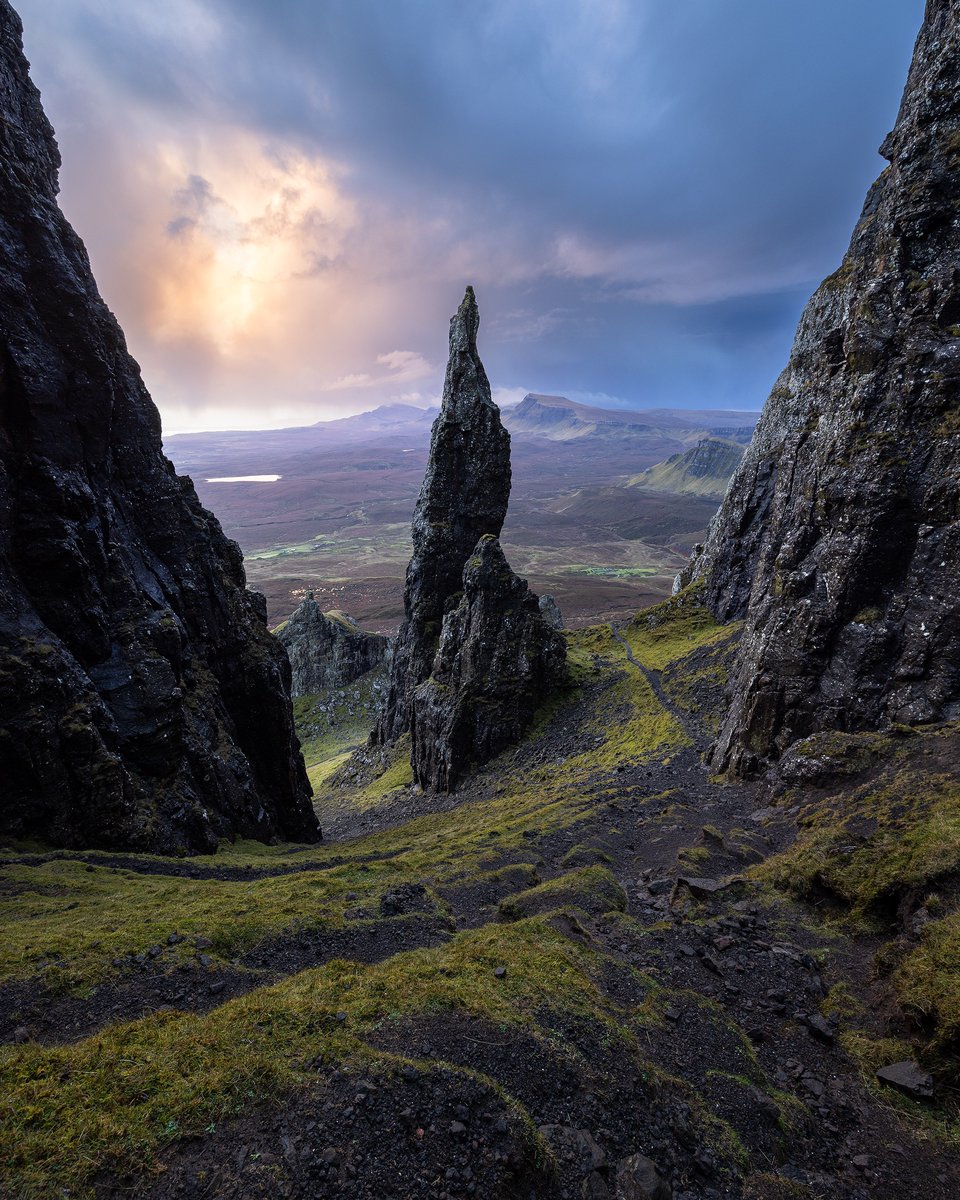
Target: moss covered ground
[[878, 850], [527, 882]]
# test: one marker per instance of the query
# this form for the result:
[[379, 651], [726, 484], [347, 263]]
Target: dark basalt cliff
[[497, 659], [142, 701], [839, 540], [464, 496], [327, 650], [474, 655]]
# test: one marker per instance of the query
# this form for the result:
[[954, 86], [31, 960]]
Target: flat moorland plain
[[337, 521]]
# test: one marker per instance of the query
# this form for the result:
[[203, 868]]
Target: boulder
[[327, 650]]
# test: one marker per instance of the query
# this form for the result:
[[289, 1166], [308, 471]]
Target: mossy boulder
[[593, 889]]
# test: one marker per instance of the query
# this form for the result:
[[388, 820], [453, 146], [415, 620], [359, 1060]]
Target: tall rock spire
[[474, 656], [464, 496], [838, 542], [143, 704]]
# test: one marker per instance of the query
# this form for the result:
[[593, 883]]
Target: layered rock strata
[[838, 543], [496, 660], [474, 655], [327, 650], [143, 703]]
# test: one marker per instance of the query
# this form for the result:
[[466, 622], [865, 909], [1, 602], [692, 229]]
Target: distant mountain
[[704, 470], [239, 451], [386, 418], [563, 420]]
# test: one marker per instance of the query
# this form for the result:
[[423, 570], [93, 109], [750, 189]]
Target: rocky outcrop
[[497, 659], [839, 540], [474, 655], [143, 704], [550, 611], [464, 496], [327, 650]]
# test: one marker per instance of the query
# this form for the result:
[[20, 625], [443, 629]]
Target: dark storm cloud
[[663, 181]]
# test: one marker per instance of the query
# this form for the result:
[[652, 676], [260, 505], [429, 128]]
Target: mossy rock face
[[145, 706], [884, 844], [927, 984], [837, 540], [327, 650], [832, 755], [593, 889]]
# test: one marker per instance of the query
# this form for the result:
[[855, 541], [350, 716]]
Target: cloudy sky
[[283, 199]]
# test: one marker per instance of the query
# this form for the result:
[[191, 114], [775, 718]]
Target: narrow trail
[[653, 679]]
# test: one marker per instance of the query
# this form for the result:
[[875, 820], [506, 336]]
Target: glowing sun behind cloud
[[283, 202], [241, 237]]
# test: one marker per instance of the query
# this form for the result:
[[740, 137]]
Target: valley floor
[[592, 961]]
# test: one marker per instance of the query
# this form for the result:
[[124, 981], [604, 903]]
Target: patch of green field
[[612, 572]]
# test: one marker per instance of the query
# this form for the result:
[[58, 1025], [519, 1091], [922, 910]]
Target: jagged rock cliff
[[474, 655], [496, 660], [327, 650], [142, 701], [464, 496], [839, 540]]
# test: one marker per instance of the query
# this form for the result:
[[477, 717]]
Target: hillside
[[704, 470], [562, 420], [656, 908], [591, 961]]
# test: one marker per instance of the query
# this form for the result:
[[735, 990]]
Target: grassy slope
[[878, 851], [114, 1100], [73, 1112]]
